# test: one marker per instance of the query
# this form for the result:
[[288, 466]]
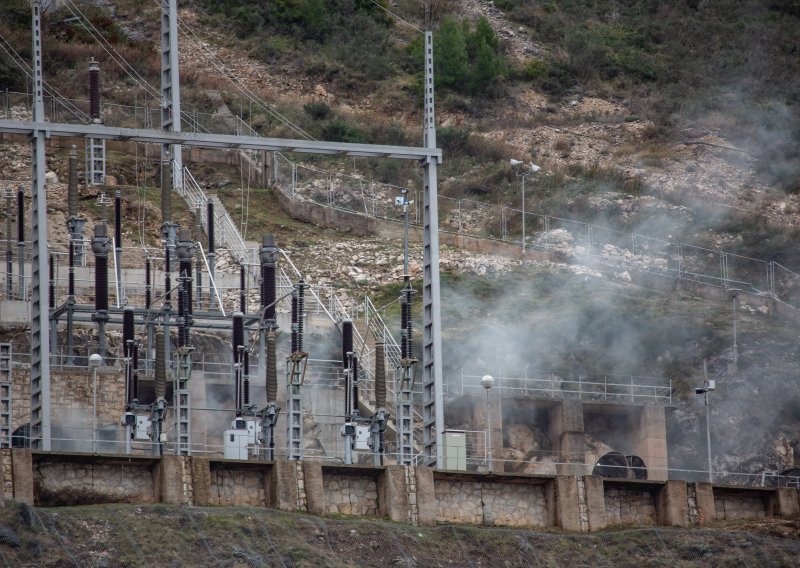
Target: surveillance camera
[[515, 163], [534, 167], [699, 391]]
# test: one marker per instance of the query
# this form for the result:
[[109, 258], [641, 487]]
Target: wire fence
[[161, 536], [570, 237]]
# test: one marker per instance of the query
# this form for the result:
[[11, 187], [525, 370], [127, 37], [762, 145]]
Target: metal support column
[[6, 383], [295, 373], [405, 417], [432, 391], [170, 88], [182, 398], [294, 414], [40, 338], [95, 161]]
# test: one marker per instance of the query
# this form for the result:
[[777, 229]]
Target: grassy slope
[[162, 536]]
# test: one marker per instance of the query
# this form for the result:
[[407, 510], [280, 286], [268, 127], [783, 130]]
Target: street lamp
[[95, 361], [486, 382], [708, 386], [521, 174]]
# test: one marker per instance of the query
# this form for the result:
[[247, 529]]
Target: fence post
[[546, 231], [771, 277], [723, 269]]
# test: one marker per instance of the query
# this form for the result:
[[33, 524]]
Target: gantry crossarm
[[206, 140]]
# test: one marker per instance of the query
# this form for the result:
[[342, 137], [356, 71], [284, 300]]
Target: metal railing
[[545, 384]]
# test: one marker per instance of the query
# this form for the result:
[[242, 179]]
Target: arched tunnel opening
[[615, 465]]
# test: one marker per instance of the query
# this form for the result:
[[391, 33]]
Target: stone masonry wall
[[238, 487], [71, 396], [736, 507], [502, 504], [70, 483], [350, 494], [630, 507], [7, 471]]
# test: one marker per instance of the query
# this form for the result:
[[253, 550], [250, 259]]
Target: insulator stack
[[347, 342], [128, 348], [184, 316], [407, 332], [161, 366], [100, 249], [295, 318], [268, 294], [148, 286], [72, 185], [246, 379], [127, 330], [301, 310], [118, 219], [51, 296], [237, 344], [167, 278], [135, 377], [184, 251], [238, 335], [380, 375], [71, 277], [269, 258], [272, 368], [242, 290], [211, 221], [354, 375], [20, 216], [94, 90], [101, 284]]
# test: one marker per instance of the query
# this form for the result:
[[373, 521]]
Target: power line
[[397, 16], [112, 53], [229, 73], [17, 59]]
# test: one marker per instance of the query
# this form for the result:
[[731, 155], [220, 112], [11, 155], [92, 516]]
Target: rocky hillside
[[677, 122]]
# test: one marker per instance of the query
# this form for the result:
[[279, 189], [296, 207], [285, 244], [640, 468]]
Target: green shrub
[[318, 110], [339, 130]]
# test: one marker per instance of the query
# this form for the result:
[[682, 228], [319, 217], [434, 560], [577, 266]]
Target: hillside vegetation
[[162, 536]]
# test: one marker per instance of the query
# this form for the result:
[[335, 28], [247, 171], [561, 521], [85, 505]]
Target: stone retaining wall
[[70, 483], [350, 494], [490, 503], [417, 495], [732, 506], [630, 507], [238, 487]]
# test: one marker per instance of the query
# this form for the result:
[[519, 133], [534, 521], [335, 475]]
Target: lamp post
[[486, 382], [94, 362], [708, 386], [522, 174]]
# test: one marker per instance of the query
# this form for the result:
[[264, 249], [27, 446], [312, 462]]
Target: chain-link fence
[[163, 536]]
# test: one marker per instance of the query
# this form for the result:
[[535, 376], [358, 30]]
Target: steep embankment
[[161, 536]]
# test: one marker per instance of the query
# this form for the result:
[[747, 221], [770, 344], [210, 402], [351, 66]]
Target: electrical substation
[[209, 370]]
